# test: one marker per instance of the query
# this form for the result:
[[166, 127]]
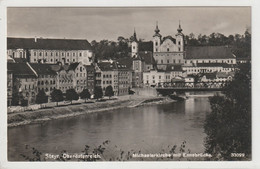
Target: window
[[56, 54], [40, 54], [62, 54], [68, 54], [51, 53], [179, 43], [46, 53], [161, 61], [179, 49], [133, 47], [168, 49], [168, 61], [156, 50], [34, 53], [79, 54], [173, 60], [156, 43]]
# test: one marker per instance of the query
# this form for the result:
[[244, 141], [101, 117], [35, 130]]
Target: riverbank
[[51, 113]]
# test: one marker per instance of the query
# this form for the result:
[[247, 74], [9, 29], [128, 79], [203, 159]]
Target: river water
[[149, 128]]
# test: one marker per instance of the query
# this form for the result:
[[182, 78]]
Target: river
[[150, 128]]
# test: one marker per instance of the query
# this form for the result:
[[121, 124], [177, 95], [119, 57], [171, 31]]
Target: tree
[[57, 96], [228, 126], [41, 97], [109, 91], [98, 93], [131, 92], [85, 94], [71, 94]]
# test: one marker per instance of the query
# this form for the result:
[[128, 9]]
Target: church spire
[[179, 29], [157, 30], [134, 36]]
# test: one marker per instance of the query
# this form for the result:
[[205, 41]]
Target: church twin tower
[[162, 45]]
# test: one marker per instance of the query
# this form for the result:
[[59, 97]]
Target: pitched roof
[[126, 61], [21, 70], [42, 69], [56, 67], [89, 67], [169, 37], [48, 44], [147, 57], [146, 46], [121, 66], [20, 60], [208, 52], [73, 66], [107, 66]]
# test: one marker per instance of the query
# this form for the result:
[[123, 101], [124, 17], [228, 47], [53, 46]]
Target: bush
[[228, 126]]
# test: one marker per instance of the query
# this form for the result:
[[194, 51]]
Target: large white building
[[168, 50], [36, 50]]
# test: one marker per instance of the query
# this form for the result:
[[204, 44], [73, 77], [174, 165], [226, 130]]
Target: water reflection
[[148, 128]]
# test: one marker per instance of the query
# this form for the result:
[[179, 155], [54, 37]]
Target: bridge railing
[[188, 85]]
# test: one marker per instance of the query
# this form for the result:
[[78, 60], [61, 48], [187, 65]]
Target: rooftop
[[21, 70], [209, 52], [48, 44], [43, 69], [147, 56], [169, 37]]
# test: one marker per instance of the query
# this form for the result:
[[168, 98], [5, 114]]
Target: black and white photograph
[[129, 84]]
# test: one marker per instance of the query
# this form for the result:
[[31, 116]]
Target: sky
[[110, 23]]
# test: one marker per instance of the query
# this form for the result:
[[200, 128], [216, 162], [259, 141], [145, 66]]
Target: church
[[171, 52], [166, 50]]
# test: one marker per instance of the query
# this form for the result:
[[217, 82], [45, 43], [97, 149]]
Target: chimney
[[35, 39]]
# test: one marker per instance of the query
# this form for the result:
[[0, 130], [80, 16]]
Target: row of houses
[[27, 79]]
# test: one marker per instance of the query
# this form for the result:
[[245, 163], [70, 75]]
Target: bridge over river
[[168, 88]]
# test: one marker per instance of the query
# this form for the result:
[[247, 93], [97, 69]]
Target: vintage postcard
[[128, 84]]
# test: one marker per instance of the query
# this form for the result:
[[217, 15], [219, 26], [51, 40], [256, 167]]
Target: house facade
[[50, 51]]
